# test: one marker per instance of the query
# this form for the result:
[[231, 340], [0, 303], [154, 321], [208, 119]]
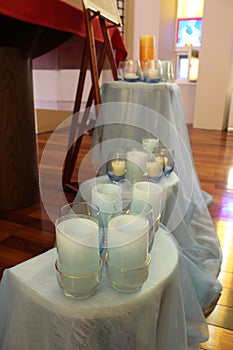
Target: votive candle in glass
[[151, 193], [107, 197], [136, 162], [118, 167], [151, 144], [127, 240], [77, 241]]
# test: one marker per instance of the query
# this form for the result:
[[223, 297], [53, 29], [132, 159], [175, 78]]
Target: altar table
[[36, 315], [28, 29]]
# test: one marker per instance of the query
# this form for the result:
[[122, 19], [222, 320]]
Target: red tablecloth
[[58, 15]]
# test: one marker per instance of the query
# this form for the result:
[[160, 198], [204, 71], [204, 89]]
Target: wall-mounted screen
[[189, 32]]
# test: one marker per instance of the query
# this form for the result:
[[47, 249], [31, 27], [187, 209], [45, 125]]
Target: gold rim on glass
[[157, 222]]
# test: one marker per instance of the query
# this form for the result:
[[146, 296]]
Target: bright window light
[[187, 8]]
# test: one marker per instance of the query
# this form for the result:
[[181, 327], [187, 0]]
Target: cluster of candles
[[127, 240], [138, 164], [149, 71], [124, 232], [152, 68], [147, 68]]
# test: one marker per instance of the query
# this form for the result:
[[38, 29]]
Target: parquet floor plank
[[219, 339]]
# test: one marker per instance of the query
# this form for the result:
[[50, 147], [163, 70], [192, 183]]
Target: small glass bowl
[[154, 169], [125, 280], [168, 74], [79, 287], [152, 71], [136, 158], [116, 166], [131, 71]]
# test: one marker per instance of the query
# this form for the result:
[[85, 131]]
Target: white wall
[[188, 94], [166, 40], [146, 21], [56, 89], [155, 17], [215, 80]]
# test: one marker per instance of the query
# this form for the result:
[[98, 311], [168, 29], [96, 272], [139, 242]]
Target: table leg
[[19, 186]]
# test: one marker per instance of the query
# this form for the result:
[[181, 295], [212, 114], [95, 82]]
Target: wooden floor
[[29, 232]]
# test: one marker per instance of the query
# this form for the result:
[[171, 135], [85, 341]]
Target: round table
[[35, 314]]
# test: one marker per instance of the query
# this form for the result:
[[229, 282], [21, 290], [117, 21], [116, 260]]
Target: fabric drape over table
[[131, 111]]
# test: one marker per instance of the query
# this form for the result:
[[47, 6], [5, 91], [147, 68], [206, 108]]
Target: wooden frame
[[96, 66]]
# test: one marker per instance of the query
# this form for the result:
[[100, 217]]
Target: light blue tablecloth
[[163, 315], [131, 111]]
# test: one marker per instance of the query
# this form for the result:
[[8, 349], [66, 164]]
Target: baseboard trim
[[49, 120]]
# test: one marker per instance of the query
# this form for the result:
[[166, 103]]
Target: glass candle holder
[[85, 209], [116, 166], [151, 144], [127, 240], [108, 198], [152, 71], [127, 280], [78, 244], [151, 193], [154, 168], [136, 164], [167, 71], [120, 70], [168, 156], [132, 71], [79, 287], [142, 208]]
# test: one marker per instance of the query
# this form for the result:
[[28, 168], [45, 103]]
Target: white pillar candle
[[151, 144], [151, 193], [77, 242], [130, 76], [153, 73], [136, 162], [108, 197], [153, 169], [160, 160], [127, 238], [118, 167]]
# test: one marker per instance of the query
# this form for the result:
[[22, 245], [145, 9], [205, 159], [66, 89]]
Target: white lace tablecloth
[[35, 314]]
